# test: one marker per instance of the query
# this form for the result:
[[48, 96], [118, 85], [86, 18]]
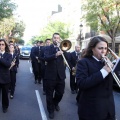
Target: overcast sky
[[34, 13]]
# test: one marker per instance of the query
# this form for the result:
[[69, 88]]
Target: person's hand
[[73, 68], [108, 64], [13, 63], [59, 53], [36, 57]]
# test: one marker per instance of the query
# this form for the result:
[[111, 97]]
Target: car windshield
[[26, 48]]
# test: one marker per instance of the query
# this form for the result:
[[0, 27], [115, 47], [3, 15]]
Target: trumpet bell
[[65, 45]]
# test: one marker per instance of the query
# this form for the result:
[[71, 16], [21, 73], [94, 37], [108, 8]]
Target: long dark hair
[[6, 45], [92, 44]]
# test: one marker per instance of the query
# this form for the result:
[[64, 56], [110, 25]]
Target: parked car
[[25, 52]]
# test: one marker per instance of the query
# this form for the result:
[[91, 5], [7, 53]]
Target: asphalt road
[[30, 104]]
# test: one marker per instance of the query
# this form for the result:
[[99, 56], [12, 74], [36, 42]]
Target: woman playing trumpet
[[95, 81], [13, 69]]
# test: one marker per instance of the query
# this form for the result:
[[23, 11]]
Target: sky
[[34, 13]]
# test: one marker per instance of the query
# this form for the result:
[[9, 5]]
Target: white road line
[[42, 111], [30, 70], [28, 61]]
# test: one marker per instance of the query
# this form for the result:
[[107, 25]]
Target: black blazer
[[96, 99], [32, 53], [5, 62], [73, 59], [55, 65], [41, 56], [14, 68]]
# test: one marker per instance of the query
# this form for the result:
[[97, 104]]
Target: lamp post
[[81, 27]]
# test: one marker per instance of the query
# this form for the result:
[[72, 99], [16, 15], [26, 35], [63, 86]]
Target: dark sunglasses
[[2, 44]]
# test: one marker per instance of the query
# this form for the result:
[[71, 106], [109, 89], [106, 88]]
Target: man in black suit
[[74, 57], [44, 63], [37, 63], [54, 75], [33, 59]]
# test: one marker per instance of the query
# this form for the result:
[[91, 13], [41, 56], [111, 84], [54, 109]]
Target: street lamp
[[81, 27]]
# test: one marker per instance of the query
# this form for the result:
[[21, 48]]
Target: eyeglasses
[[2, 44]]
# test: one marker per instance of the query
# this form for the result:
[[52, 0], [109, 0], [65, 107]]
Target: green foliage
[[102, 15], [51, 28], [18, 29], [6, 9], [11, 28], [6, 25]]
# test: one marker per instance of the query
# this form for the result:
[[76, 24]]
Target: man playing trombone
[[95, 81], [54, 75]]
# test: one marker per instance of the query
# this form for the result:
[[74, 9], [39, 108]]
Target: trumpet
[[112, 72], [12, 62]]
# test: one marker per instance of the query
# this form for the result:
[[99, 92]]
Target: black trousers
[[37, 71], [43, 68], [4, 90], [54, 93], [13, 82], [72, 82]]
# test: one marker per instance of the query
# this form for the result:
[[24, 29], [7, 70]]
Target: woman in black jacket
[[95, 81], [13, 69], [5, 62]]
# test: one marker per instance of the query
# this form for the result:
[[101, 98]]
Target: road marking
[[31, 70], [42, 111]]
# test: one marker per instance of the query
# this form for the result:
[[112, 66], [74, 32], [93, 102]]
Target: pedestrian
[[95, 82], [5, 63], [13, 69], [54, 75], [43, 64], [74, 57]]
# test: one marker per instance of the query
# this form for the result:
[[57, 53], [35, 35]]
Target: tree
[[11, 28], [103, 15], [6, 25], [51, 28], [6, 9], [18, 29]]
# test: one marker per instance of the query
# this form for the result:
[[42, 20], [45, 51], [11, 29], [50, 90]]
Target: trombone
[[64, 46], [112, 72]]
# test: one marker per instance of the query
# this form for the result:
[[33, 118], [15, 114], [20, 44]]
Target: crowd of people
[[90, 76], [9, 61]]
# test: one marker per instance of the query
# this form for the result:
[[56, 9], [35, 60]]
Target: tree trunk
[[113, 44]]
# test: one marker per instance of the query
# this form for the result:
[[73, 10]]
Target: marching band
[[90, 75]]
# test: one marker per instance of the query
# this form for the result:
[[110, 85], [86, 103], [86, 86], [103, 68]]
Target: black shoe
[[4, 110], [11, 96], [57, 108], [51, 115], [73, 91]]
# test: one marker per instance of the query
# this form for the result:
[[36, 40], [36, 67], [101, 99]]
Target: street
[[29, 103]]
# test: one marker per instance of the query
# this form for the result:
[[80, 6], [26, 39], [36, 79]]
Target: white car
[[25, 52]]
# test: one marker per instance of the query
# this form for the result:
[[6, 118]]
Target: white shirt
[[2, 52], [103, 71]]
